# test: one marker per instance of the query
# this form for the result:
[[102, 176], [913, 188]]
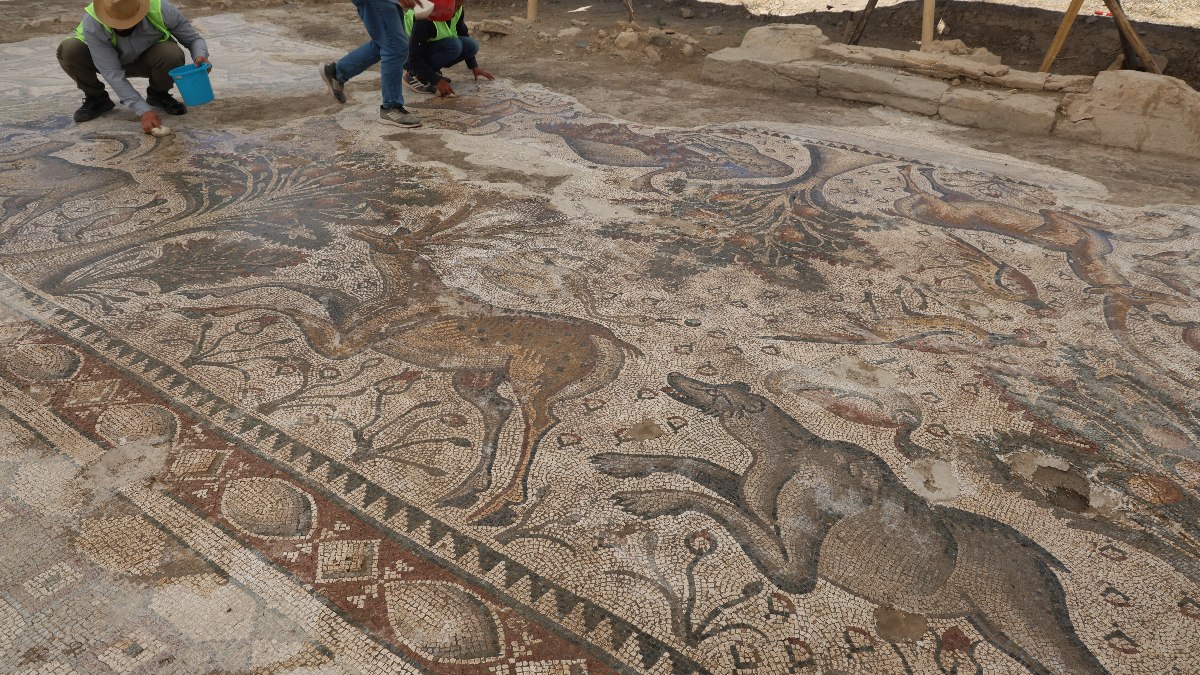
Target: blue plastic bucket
[[193, 84]]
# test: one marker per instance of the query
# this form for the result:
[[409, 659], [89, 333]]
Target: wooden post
[[1060, 38], [927, 23], [1130, 34], [531, 11]]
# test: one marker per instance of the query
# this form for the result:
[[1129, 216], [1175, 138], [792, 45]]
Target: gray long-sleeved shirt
[[111, 61]]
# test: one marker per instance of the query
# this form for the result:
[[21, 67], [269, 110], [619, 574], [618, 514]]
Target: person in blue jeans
[[435, 44], [388, 47]]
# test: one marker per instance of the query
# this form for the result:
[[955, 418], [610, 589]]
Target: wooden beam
[[927, 23], [531, 11], [861, 26], [1060, 38], [1130, 34]]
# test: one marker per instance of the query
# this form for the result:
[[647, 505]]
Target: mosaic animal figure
[[418, 318], [698, 156], [809, 508], [57, 182], [1085, 244]]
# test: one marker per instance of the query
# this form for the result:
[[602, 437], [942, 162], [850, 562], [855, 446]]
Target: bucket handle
[[206, 66]]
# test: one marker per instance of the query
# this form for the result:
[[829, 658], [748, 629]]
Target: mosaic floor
[[582, 396]]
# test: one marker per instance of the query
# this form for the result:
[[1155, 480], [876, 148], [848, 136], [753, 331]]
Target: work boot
[[164, 100], [336, 87], [93, 107], [399, 116]]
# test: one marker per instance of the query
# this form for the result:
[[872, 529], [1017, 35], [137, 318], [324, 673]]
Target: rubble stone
[[492, 27], [686, 13], [569, 32], [714, 30], [628, 39], [959, 48]]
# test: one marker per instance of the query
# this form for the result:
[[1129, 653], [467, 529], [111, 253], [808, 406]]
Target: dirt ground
[[1019, 31], [670, 92]]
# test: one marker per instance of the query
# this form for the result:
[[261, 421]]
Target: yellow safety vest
[[445, 29], [155, 16]]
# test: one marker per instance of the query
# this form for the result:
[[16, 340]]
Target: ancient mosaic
[[617, 398]]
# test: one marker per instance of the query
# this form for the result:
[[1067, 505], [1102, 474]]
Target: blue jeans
[[388, 47], [450, 51]]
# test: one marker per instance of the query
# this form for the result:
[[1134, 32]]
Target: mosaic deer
[[418, 318], [809, 508]]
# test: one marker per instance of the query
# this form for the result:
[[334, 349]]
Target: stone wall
[[972, 88]]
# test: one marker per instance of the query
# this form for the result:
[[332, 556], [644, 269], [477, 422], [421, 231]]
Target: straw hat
[[121, 14]]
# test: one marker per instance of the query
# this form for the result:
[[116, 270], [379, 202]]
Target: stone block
[[1072, 84], [959, 48], [797, 77], [740, 67], [785, 42], [569, 32], [492, 27], [1130, 109], [882, 86], [1018, 79], [1021, 113], [948, 66], [871, 56]]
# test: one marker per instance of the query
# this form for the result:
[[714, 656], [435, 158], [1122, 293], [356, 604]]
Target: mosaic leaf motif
[[209, 261], [443, 621]]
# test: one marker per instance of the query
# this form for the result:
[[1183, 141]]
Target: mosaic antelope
[[1084, 242], [418, 318]]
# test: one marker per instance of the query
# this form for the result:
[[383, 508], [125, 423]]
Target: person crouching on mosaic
[[119, 39], [439, 42]]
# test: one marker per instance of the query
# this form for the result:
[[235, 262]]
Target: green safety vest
[[445, 29], [155, 16]]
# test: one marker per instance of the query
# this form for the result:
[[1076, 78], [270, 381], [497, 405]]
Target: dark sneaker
[[93, 107], [166, 102], [336, 87], [399, 116], [417, 85]]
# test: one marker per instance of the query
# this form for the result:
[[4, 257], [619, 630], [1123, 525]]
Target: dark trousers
[[450, 51], [76, 60]]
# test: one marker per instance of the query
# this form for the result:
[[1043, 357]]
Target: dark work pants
[[76, 60]]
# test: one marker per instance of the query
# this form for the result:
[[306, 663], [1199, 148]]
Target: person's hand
[[201, 61], [150, 120], [480, 72], [444, 88]]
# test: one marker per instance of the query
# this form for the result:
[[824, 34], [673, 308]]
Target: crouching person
[[437, 43], [119, 39]]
